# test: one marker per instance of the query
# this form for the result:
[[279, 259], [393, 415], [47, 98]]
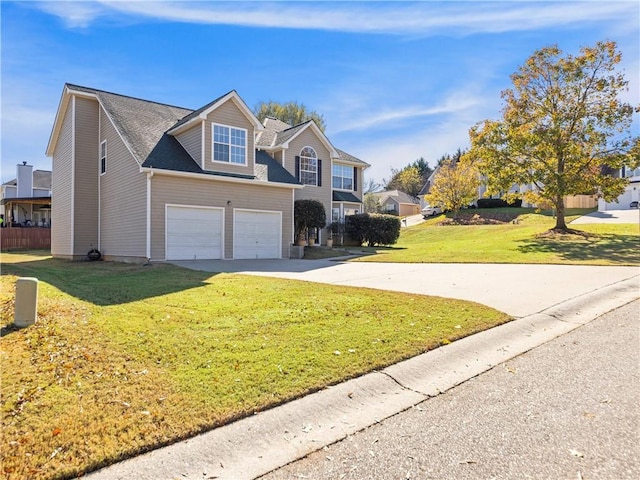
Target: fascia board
[[67, 93], [233, 95], [321, 136], [218, 178]]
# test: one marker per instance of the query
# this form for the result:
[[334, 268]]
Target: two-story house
[[26, 200], [145, 181], [631, 191]]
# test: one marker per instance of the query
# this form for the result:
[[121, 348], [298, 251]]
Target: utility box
[[26, 310]]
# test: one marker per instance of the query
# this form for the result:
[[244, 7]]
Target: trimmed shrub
[[497, 203], [308, 214], [383, 230], [374, 229], [357, 227]]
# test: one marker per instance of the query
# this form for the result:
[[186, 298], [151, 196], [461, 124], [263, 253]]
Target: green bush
[[374, 229], [308, 214], [383, 230]]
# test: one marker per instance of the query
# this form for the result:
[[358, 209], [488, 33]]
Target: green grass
[[521, 242], [125, 358]]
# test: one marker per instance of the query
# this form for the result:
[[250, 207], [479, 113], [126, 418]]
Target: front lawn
[[511, 236], [125, 358]]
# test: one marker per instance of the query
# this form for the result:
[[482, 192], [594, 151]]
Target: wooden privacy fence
[[581, 201], [25, 238]]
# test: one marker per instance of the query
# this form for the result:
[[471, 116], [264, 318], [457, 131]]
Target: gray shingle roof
[[350, 158], [41, 179], [143, 124], [397, 195], [278, 132]]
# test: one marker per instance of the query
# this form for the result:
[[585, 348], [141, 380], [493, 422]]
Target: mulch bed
[[487, 218]]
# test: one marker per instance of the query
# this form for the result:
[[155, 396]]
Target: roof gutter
[[219, 178]]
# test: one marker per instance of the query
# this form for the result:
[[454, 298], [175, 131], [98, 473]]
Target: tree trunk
[[561, 225]]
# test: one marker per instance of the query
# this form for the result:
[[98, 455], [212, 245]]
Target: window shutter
[[355, 179], [297, 168], [319, 172]]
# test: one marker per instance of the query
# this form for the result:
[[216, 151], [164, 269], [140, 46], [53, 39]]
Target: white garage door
[[257, 234], [194, 233]]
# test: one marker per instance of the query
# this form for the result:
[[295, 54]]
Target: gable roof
[[426, 188], [395, 195], [144, 125], [276, 136], [277, 133], [41, 180], [201, 114]]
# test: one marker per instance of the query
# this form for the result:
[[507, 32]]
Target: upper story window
[[103, 158], [342, 177], [229, 144], [308, 166]]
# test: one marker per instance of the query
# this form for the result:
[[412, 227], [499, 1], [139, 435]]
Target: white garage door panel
[[257, 234], [194, 233]]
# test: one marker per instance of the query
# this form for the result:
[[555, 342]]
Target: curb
[[268, 440]]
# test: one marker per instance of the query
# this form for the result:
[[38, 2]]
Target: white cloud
[[401, 18], [391, 117]]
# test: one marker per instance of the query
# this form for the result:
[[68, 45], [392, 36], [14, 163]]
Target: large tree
[[562, 123], [454, 186], [407, 180], [292, 113]]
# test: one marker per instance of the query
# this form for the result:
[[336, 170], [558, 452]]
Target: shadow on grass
[[109, 283], [620, 249]]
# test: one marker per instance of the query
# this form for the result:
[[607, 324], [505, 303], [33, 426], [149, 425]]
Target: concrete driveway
[[518, 290], [609, 216]]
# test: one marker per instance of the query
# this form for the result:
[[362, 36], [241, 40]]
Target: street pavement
[[268, 440], [567, 409]]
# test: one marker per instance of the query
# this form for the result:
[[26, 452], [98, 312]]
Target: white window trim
[[103, 158], [309, 171], [246, 144], [342, 177]]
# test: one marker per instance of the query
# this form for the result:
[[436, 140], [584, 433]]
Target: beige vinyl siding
[[213, 193], [85, 208], [62, 189], [123, 199], [323, 193], [228, 114], [191, 141]]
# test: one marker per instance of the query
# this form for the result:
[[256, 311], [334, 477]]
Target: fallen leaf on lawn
[[458, 326], [56, 431], [337, 352]]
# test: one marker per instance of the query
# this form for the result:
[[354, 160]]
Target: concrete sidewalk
[[268, 440]]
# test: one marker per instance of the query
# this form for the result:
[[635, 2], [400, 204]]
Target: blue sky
[[395, 81]]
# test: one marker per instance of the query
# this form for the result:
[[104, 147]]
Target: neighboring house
[[395, 202], [426, 188], [145, 181], [631, 192], [26, 200]]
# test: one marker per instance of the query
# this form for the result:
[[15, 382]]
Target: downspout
[[72, 238], [149, 175], [99, 178]]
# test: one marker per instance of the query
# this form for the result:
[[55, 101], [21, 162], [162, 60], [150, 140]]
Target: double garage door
[[196, 233]]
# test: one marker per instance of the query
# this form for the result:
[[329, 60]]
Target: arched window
[[308, 166]]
